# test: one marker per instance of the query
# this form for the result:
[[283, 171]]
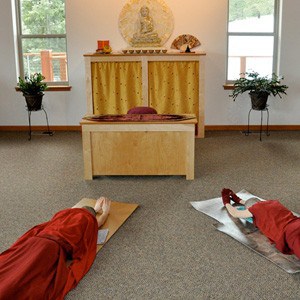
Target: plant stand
[[261, 122], [50, 133]]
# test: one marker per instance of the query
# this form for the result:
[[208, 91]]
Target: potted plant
[[32, 88], [259, 87]]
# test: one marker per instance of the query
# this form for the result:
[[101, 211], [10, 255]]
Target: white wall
[[90, 21]]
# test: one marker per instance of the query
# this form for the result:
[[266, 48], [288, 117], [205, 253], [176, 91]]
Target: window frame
[[20, 36], [274, 34]]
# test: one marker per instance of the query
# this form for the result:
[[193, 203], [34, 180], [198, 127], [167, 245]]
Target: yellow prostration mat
[[119, 213]]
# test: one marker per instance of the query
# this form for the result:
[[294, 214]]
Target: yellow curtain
[[116, 86], [174, 87]]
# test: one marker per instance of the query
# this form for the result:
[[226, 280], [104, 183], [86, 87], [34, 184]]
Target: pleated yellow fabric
[[116, 86], [174, 87]]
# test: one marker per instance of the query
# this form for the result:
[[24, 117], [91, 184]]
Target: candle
[[101, 44]]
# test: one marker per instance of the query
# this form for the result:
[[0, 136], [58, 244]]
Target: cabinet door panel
[[174, 86], [116, 86]]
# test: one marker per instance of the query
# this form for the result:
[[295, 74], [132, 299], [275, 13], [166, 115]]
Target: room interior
[[166, 249], [85, 25]]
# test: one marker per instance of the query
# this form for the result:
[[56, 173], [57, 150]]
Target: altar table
[[139, 148]]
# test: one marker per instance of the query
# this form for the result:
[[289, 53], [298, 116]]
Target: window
[[42, 39], [252, 37]]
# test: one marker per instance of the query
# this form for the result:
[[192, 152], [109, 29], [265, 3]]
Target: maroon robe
[[35, 266], [274, 221]]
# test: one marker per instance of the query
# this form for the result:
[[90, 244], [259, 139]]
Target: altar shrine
[[172, 83]]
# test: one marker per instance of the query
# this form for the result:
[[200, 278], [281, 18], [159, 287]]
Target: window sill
[[54, 88], [228, 86]]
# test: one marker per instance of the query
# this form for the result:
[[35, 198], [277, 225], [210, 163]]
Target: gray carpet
[[166, 250]]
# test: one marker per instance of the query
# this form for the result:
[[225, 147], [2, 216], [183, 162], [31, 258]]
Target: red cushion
[[143, 110]]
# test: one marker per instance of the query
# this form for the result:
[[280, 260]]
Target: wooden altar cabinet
[[139, 148], [172, 83]]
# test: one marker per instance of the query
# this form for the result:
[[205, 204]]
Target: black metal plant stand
[[49, 132], [261, 122]]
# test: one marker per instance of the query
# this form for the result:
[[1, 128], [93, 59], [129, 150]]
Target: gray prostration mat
[[245, 232]]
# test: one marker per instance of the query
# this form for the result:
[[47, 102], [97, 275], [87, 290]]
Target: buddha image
[[146, 36]]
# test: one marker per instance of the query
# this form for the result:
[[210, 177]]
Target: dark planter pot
[[259, 100], [34, 102]]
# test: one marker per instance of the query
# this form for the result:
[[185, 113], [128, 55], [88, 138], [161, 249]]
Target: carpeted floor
[[166, 250]]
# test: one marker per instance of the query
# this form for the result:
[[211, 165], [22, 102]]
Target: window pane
[[250, 53], [45, 55], [251, 15], [42, 16]]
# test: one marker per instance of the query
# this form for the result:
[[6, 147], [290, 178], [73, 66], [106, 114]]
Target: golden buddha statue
[[147, 36]]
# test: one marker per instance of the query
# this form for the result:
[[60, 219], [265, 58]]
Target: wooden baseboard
[[207, 128], [41, 128], [252, 127]]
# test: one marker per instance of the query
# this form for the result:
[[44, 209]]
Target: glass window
[[252, 37], [42, 39]]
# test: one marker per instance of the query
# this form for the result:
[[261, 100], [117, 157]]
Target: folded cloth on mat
[[245, 232]]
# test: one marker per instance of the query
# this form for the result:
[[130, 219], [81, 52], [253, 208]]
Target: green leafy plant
[[256, 84], [33, 84]]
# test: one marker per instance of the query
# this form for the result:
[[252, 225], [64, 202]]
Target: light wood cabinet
[[139, 148], [172, 83]]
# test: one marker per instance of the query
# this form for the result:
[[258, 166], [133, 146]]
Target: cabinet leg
[[87, 155]]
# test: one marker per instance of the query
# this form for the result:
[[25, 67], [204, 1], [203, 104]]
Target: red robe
[[273, 219], [35, 267]]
